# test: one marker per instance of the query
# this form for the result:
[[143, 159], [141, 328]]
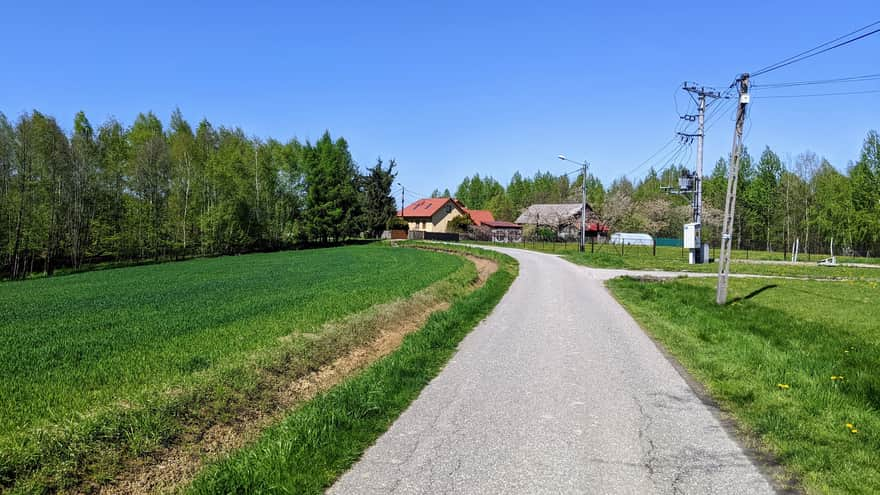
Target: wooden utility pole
[[730, 200]]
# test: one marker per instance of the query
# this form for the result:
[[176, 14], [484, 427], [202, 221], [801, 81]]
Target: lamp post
[[583, 200]]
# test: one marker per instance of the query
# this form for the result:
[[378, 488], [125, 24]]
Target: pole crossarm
[[701, 90]]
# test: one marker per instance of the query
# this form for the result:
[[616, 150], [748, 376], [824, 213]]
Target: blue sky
[[448, 89]]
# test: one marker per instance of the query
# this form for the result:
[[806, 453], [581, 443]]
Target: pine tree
[[378, 204], [331, 211]]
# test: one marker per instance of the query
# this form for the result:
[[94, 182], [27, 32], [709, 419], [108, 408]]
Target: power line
[[653, 155], [675, 158], [723, 110], [675, 101], [687, 159], [674, 162], [819, 49], [864, 78], [748, 112], [412, 191], [811, 95], [672, 156], [687, 120]]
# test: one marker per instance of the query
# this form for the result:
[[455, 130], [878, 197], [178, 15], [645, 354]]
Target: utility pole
[[730, 199], [402, 202], [584, 165], [702, 93], [583, 207]]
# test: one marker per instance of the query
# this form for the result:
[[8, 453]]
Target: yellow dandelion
[[854, 430], [850, 426], [783, 386]]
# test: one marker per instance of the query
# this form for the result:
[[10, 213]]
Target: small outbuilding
[[631, 239], [504, 231]]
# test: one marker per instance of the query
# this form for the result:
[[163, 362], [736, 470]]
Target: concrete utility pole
[[583, 207], [702, 93], [730, 200], [583, 240], [402, 202]]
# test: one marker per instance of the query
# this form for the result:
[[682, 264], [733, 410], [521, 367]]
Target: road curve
[[557, 391]]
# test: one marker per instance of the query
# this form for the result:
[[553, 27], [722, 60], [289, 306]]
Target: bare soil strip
[[175, 466]]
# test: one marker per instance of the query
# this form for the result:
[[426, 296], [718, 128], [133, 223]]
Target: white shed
[[632, 239]]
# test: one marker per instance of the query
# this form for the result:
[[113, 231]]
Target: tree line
[[506, 203], [150, 192], [779, 202]]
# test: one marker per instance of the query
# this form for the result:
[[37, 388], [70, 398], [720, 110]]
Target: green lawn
[[769, 358], [81, 352]]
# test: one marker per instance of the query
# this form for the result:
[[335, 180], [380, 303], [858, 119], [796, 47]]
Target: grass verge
[[310, 448], [794, 361], [676, 259]]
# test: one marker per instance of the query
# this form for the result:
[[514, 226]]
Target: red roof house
[[432, 214]]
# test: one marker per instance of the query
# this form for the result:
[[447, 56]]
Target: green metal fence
[[667, 241]]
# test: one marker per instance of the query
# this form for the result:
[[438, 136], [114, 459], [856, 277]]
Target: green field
[[79, 353], [774, 357]]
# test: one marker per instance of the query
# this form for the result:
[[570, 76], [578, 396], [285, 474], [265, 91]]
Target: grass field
[[675, 259], [106, 357], [795, 361], [307, 451]]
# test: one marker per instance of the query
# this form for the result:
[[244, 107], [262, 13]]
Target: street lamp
[[583, 200]]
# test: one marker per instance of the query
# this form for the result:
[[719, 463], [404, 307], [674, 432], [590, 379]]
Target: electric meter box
[[691, 236]]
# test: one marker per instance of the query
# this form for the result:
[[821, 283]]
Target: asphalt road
[[557, 391]]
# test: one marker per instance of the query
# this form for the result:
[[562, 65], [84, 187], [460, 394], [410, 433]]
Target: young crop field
[[80, 354], [795, 361], [316, 443]]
